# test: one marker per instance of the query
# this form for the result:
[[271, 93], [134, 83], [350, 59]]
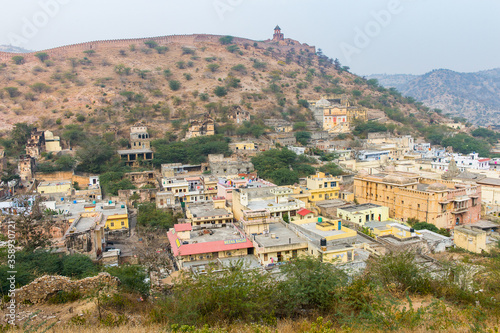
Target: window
[[325, 184], [312, 197], [123, 222], [265, 256], [333, 184], [112, 224]]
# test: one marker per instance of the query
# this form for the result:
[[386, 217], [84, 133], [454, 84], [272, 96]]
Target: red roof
[[303, 212], [182, 227], [483, 159], [206, 247]]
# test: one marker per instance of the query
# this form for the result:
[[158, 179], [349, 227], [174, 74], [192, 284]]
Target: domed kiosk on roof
[[437, 187], [395, 179]]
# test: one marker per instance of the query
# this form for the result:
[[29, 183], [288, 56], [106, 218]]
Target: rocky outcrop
[[48, 285]]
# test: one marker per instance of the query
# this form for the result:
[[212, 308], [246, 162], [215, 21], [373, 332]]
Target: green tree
[[174, 85], [151, 44], [220, 91], [226, 40], [332, 168], [18, 60], [42, 56], [133, 278], [78, 266], [93, 155], [232, 48], [149, 216], [40, 87], [21, 133], [234, 294], [213, 67], [13, 92], [310, 284], [303, 137], [66, 162]]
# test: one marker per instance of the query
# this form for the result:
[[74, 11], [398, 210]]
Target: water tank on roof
[[110, 202], [320, 219], [74, 201], [123, 206], [93, 201]]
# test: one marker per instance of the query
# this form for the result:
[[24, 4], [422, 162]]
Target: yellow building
[[360, 214], [445, 204], [243, 146], [474, 239], [118, 221], [211, 212], [323, 187], [54, 187]]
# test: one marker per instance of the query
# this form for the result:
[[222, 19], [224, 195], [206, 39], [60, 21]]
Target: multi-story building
[[363, 213], [463, 163], [224, 166], [278, 200], [210, 212], [36, 143], [322, 187], [140, 146], [445, 204], [193, 244]]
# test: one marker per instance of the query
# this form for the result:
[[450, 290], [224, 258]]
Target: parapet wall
[[48, 285], [161, 40]]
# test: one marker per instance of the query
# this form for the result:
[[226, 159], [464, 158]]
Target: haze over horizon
[[369, 36]]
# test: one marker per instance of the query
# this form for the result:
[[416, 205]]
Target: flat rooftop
[[268, 203], [357, 208], [311, 229], [219, 234], [73, 209], [61, 182], [206, 210], [85, 223], [283, 236], [134, 151]]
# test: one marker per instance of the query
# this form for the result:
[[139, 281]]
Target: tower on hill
[[278, 35]]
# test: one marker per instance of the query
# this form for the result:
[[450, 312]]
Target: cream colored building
[[360, 214], [52, 143]]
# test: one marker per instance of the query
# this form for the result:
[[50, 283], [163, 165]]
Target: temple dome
[[394, 179], [437, 187]]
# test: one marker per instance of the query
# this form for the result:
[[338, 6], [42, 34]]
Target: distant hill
[[474, 96], [13, 49]]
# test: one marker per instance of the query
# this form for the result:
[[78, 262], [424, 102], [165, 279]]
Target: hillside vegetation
[[110, 88], [474, 96]]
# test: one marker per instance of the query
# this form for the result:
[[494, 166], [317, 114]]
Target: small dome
[[437, 187], [396, 179]]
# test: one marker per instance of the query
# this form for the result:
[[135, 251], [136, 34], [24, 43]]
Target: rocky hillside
[[475, 96], [165, 81]]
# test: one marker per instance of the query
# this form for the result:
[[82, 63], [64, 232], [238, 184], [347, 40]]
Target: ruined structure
[[201, 127], [26, 167], [36, 143], [47, 286], [140, 146]]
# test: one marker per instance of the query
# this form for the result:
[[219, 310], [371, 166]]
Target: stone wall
[[48, 285], [161, 40]]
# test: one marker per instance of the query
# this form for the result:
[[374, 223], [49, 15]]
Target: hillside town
[[227, 212], [271, 185]]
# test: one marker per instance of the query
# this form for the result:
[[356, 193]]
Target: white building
[[464, 162]]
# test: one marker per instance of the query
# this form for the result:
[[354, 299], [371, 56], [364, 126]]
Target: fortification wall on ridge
[[161, 40]]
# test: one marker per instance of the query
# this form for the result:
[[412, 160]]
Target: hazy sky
[[370, 36]]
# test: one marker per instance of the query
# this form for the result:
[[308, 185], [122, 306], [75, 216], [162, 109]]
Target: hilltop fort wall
[[284, 45]]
